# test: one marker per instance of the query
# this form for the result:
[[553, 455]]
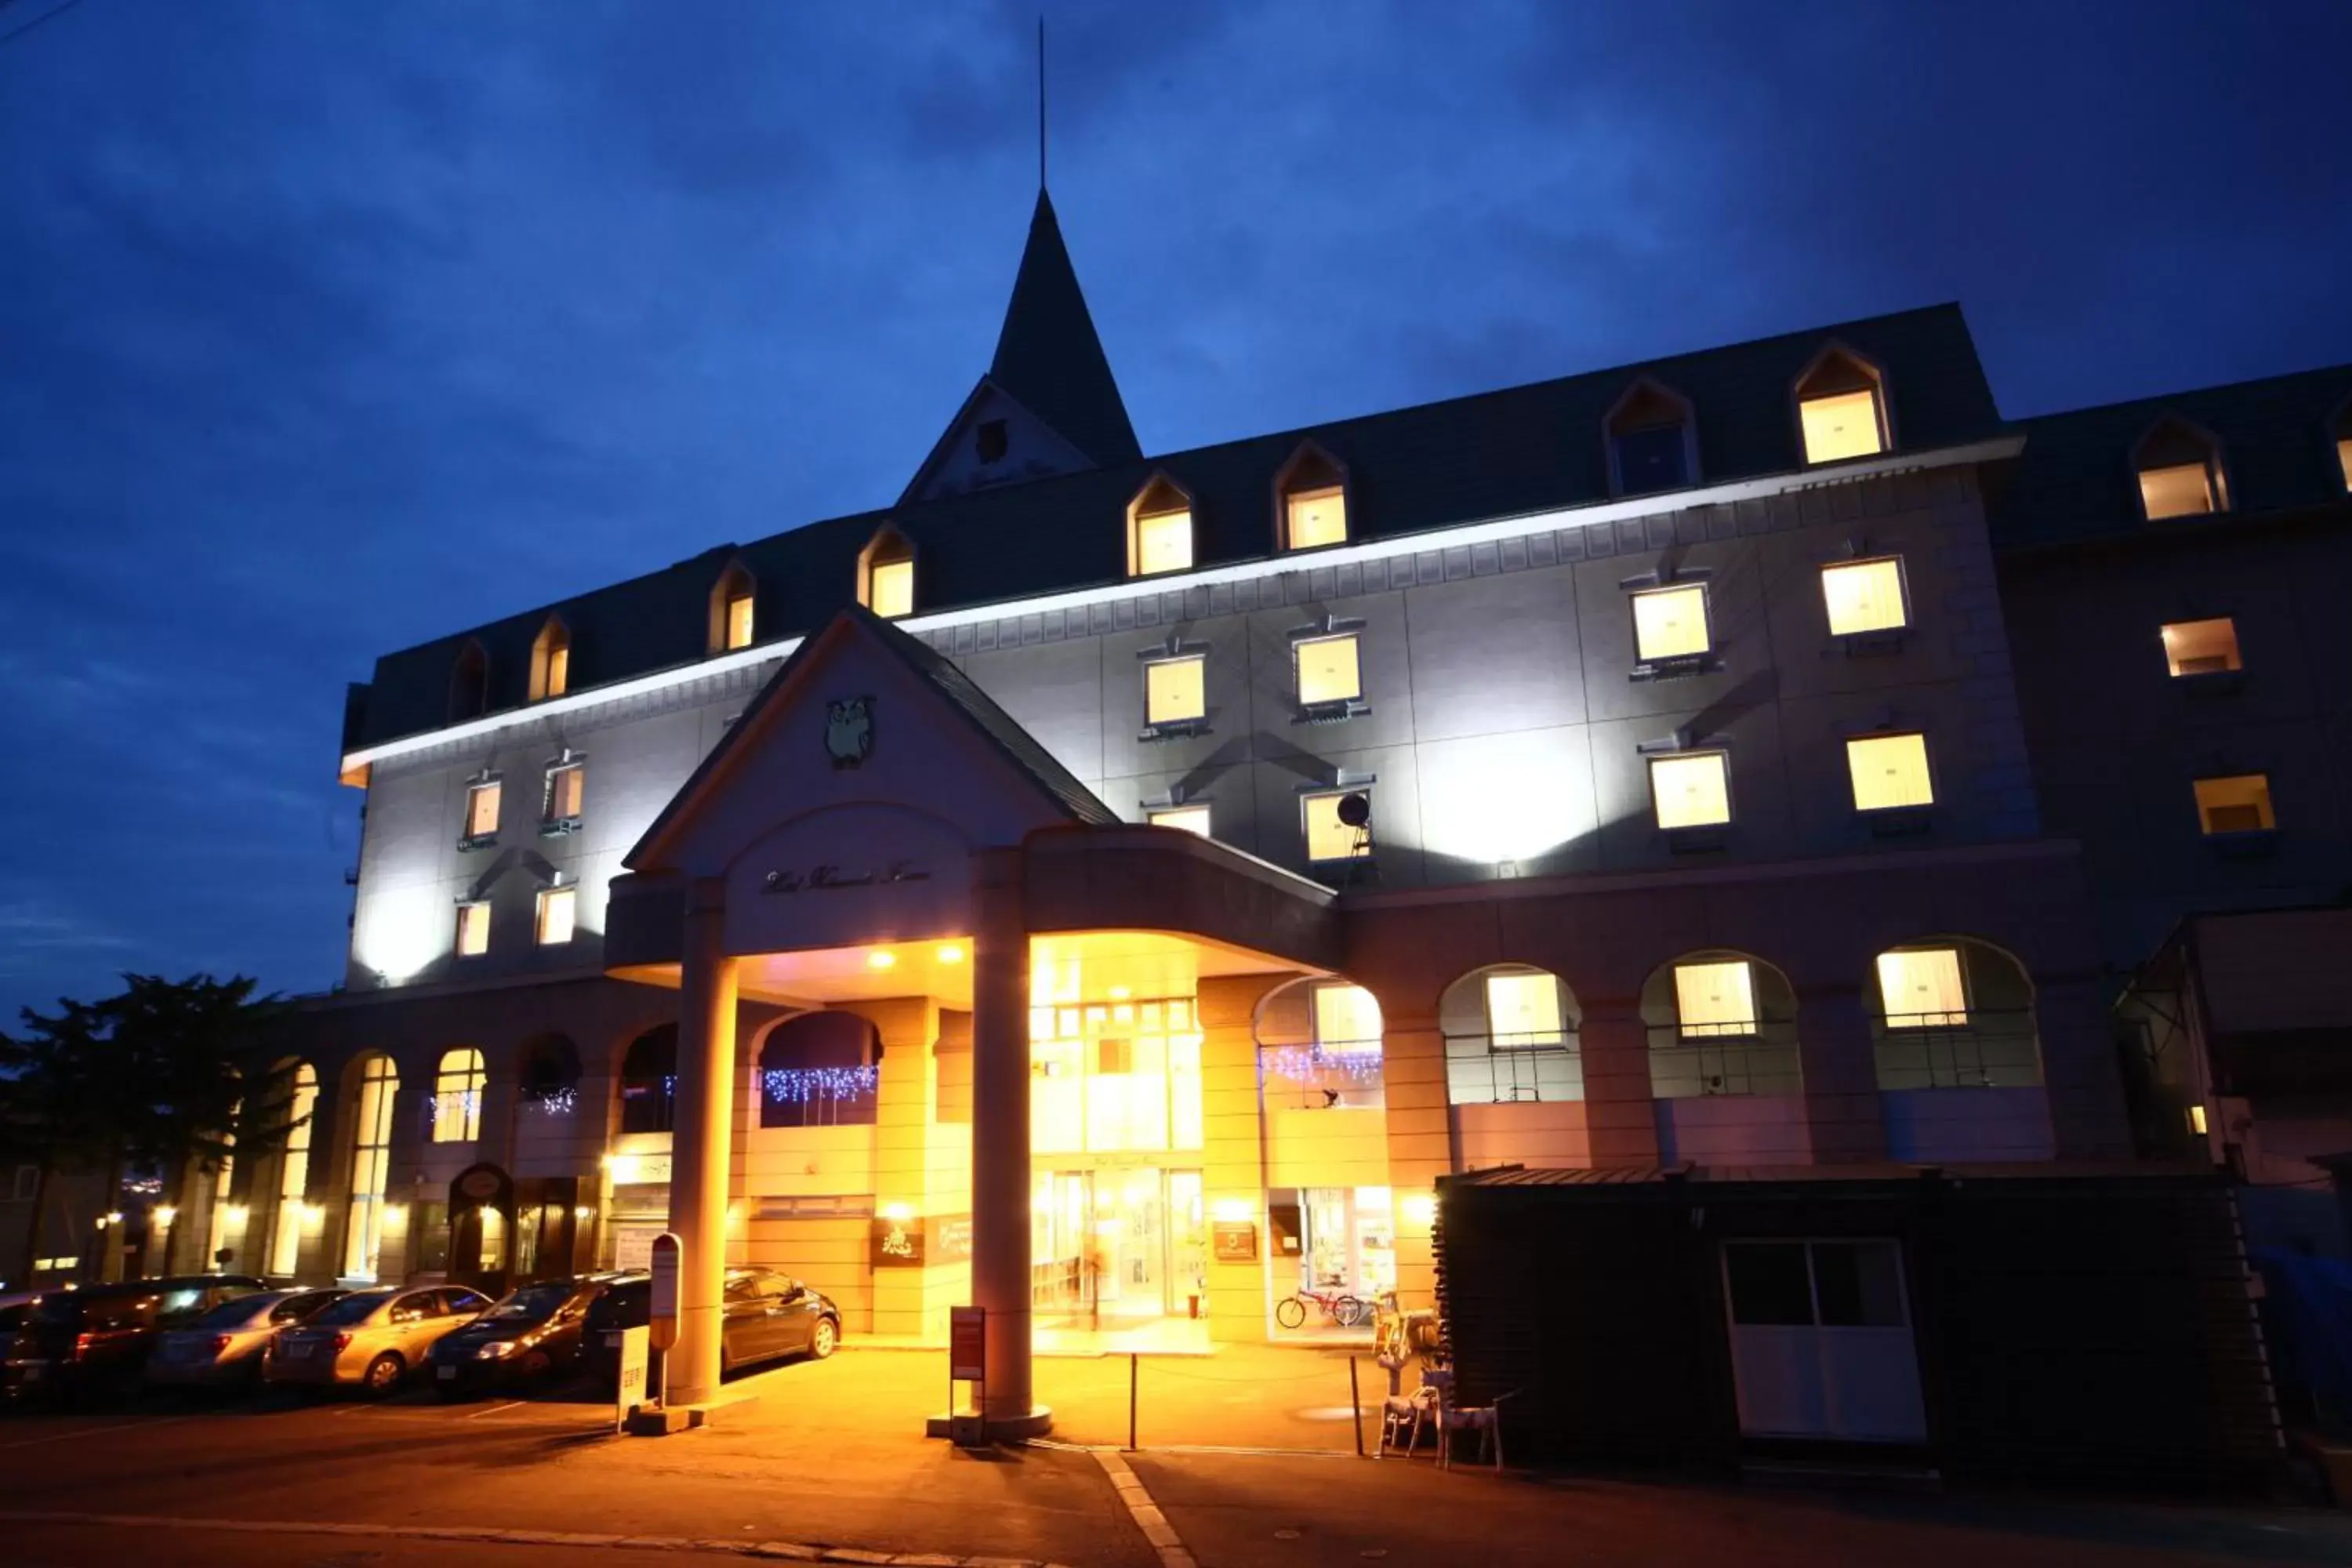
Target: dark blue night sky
[[327, 328]]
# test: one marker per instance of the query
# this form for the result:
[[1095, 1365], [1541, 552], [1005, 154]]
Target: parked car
[[14, 1307], [100, 1334], [531, 1331], [768, 1315], [370, 1338], [222, 1348]]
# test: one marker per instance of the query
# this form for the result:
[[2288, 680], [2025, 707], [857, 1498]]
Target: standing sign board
[[664, 1316], [630, 1393], [968, 1362]]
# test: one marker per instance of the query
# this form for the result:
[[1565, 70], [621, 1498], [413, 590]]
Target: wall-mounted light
[[1418, 1209], [899, 1214], [163, 1214], [114, 1217], [948, 952], [881, 958], [236, 1214]]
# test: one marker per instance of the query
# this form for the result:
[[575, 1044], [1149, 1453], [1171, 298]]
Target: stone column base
[[972, 1428]]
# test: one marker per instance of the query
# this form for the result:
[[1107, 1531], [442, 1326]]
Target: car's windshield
[[530, 1303], [352, 1308], [227, 1315]]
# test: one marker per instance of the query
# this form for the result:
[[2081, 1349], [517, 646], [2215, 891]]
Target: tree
[[154, 1077]]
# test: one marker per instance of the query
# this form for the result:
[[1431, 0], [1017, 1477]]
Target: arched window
[[1652, 440], [1320, 1046], [551, 1076], [550, 660], [371, 1085], [1720, 1023], [734, 609], [649, 1081], [455, 1109], [819, 1070], [294, 1086], [1841, 407], [1510, 1034], [1310, 500], [2178, 468], [2339, 431], [1952, 1012], [1160, 529], [469, 683], [885, 574]]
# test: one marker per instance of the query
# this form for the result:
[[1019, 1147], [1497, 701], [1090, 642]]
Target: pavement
[[1247, 1461]]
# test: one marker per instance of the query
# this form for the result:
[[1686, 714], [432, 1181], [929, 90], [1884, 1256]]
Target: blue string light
[[1313, 1064], [554, 1101], [802, 1085]]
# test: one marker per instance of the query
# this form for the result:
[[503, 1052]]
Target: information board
[[664, 1316], [636, 1351], [967, 1344]]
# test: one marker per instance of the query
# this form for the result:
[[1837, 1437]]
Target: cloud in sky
[[325, 330]]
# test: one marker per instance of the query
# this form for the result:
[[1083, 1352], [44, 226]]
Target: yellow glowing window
[[1318, 517], [1843, 424], [482, 810], [473, 929], [457, 1097], [894, 589], [1346, 1019], [1173, 691], [1921, 989], [1864, 595], [556, 909], [738, 621], [1163, 542], [1889, 771], [2343, 460], [1186, 818], [1670, 623], [2196, 1119], [566, 788], [1523, 1010], [1327, 671], [2238, 804], [1713, 999], [1690, 790], [1327, 837], [2180, 490], [2201, 648]]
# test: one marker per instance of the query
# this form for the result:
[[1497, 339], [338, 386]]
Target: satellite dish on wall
[[1355, 809]]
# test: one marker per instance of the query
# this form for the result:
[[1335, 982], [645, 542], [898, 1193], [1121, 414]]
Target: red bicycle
[[1338, 1307]]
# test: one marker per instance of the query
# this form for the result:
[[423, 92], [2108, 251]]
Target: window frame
[[1651, 665], [1615, 432], [471, 1079], [2172, 663], [1897, 810], [1826, 365], [466, 907], [1722, 756], [1333, 707], [1143, 521], [1748, 1028], [1153, 815], [1943, 1018], [1307, 799], [2267, 807], [569, 893], [2171, 444], [1156, 727], [495, 786], [902, 570], [1853, 635], [551, 823]]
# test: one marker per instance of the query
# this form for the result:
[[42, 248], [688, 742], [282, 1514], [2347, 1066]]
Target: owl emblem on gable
[[849, 731]]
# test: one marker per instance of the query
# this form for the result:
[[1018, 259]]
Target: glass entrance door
[[1116, 1244]]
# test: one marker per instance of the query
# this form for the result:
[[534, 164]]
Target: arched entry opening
[[819, 1070], [1331, 1214], [649, 1081], [1951, 1013], [481, 1225]]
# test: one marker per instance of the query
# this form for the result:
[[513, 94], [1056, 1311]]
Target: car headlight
[[494, 1349]]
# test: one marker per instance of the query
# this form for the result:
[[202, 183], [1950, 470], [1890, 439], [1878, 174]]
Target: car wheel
[[534, 1363], [823, 1338], [382, 1374]]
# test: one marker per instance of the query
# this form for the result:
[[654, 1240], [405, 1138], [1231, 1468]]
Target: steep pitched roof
[[1048, 357]]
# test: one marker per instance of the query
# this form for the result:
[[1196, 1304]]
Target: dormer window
[[2341, 434], [469, 683], [1652, 441], [2179, 472], [550, 660], [886, 576], [734, 609], [1842, 409], [990, 442], [1160, 529], [1311, 500]]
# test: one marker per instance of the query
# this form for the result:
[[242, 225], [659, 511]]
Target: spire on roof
[[1048, 358]]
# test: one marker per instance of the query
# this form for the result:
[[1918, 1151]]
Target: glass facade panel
[[1113, 1078], [371, 1158]]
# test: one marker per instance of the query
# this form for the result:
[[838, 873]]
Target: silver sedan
[[370, 1338], [222, 1348]]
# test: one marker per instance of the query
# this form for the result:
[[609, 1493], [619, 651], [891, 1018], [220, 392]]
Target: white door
[[1821, 1341]]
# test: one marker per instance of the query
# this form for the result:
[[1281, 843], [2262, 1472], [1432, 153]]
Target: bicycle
[[1338, 1307]]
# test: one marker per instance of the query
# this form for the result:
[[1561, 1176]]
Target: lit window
[[1163, 542], [482, 809], [1186, 818], [1842, 424], [556, 906], [551, 661], [2201, 648], [566, 788], [1174, 691], [1889, 771], [1670, 623], [1523, 1010], [1715, 999], [2237, 804], [457, 1097], [1327, 837], [1690, 790], [893, 589], [2178, 489], [738, 621], [1346, 1019], [1921, 989], [1318, 517], [1327, 671], [473, 929], [1864, 595], [2344, 459]]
